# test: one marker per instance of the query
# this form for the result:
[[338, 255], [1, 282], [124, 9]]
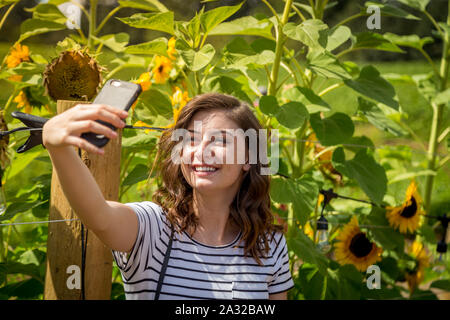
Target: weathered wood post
[[64, 238]]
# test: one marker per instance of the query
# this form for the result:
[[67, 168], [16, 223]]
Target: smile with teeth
[[205, 169]]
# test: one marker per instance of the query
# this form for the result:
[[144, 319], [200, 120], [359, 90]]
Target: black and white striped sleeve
[[281, 278], [130, 263]]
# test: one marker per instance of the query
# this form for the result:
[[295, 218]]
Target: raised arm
[[114, 223]]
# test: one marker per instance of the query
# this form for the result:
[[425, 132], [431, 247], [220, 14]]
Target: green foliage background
[[307, 60]]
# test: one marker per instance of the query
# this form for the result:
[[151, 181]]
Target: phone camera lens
[[115, 83]]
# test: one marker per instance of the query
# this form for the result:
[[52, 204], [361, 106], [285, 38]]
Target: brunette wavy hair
[[250, 208]]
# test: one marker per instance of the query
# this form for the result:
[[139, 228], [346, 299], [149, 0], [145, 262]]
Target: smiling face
[[206, 162]]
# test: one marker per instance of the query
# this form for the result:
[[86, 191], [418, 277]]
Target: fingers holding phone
[[90, 126], [118, 94], [67, 128]]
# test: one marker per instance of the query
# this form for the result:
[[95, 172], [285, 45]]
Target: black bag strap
[[164, 266]]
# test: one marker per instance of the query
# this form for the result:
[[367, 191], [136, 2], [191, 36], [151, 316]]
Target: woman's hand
[[66, 128]]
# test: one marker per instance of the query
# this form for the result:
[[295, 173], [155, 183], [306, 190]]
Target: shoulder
[[149, 211], [277, 242]]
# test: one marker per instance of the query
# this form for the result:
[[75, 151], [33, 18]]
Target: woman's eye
[[220, 140]]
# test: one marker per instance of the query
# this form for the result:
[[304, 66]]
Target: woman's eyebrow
[[227, 132]]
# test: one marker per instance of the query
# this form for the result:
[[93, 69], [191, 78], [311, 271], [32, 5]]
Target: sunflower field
[[362, 185]]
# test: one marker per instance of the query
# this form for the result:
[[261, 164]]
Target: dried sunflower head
[[74, 75]]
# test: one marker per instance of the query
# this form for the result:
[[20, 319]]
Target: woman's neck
[[214, 227]]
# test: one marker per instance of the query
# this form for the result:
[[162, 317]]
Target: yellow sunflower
[[171, 51], [142, 124], [308, 230], [415, 276], [15, 77], [161, 69], [179, 98], [407, 217], [17, 55], [22, 102], [353, 247], [144, 81]]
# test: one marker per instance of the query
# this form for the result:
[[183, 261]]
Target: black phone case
[[121, 97]]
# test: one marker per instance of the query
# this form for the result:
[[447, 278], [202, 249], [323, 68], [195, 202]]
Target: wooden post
[[64, 238]]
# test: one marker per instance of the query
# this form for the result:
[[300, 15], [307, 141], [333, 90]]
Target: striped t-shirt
[[196, 270]]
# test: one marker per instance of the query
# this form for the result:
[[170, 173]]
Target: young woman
[[224, 244]]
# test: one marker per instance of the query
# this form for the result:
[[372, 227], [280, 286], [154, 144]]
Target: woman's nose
[[203, 152]]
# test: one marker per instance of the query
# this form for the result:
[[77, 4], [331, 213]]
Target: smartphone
[[118, 94]]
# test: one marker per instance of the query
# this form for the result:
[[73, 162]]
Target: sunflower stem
[[92, 23], [436, 123], [102, 24], [7, 13], [281, 38], [197, 82], [347, 20]]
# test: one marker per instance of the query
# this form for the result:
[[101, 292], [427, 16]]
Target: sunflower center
[[160, 68], [360, 246], [410, 210]]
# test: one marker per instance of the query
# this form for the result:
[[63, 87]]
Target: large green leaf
[[292, 115], [268, 105], [228, 85], [337, 36], [308, 97], [383, 235], [7, 2], [306, 251], [345, 283], [302, 192], [24, 68], [443, 284], [157, 102], [14, 267], [245, 26], [313, 283], [197, 60], [153, 21], [32, 27], [47, 11], [372, 85], [412, 41], [116, 42], [139, 173], [210, 19], [378, 118], [333, 130], [442, 97], [371, 40], [157, 46], [416, 4], [313, 33], [388, 10], [149, 5], [22, 161], [19, 207], [238, 54], [139, 142], [363, 168], [25, 289], [325, 64], [254, 61]]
